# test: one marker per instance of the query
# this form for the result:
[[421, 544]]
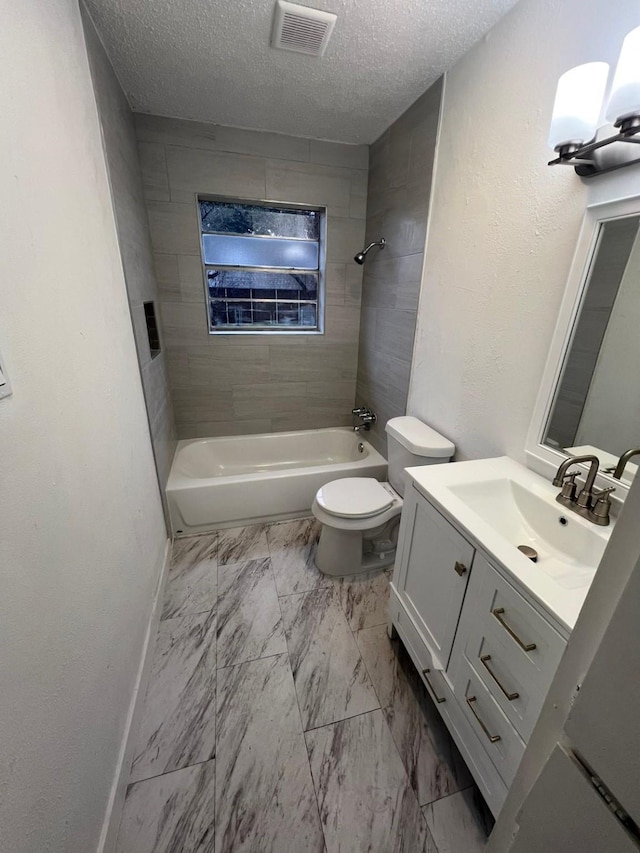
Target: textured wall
[[398, 195], [504, 225], [82, 535], [234, 384], [125, 178]]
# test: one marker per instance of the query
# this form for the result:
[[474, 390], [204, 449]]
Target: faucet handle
[[569, 485], [602, 506], [359, 411]]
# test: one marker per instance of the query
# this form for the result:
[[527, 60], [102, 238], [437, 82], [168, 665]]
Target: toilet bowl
[[360, 516]]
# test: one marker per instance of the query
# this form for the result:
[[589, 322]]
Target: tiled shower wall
[[226, 384], [120, 146], [401, 167]]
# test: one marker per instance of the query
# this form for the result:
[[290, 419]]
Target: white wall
[[504, 225], [81, 528]]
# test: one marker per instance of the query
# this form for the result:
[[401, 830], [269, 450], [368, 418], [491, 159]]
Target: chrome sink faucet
[[366, 416], [589, 503]]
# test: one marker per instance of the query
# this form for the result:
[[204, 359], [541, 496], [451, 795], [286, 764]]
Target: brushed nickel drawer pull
[[438, 699], [483, 661], [498, 612], [492, 738], [460, 568]]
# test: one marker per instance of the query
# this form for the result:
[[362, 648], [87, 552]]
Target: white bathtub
[[237, 480]]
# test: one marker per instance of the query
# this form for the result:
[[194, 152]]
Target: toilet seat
[[354, 497]]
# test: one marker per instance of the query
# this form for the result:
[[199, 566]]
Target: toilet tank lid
[[419, 438]]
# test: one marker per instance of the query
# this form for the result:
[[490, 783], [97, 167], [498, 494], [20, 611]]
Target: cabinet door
[[433, 568]]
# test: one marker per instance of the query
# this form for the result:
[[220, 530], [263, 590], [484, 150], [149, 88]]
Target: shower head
[[359, 258]]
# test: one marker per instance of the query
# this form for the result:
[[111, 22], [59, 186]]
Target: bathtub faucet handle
[[367, 417]]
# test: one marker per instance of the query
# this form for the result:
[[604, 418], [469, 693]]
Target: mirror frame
[[540, 457]]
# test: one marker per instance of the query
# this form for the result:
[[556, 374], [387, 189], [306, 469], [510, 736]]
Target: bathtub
[[237, 480]]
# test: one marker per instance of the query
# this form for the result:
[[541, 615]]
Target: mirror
[[595, 405]]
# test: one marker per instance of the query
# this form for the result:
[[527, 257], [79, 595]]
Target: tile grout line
[[304, 739], [169, 772]]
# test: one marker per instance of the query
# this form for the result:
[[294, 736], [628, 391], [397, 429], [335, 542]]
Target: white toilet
[[360, 516]]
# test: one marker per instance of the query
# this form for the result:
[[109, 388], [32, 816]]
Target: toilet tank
[[411, 442]]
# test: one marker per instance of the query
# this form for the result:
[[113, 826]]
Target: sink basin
[[569, 548]]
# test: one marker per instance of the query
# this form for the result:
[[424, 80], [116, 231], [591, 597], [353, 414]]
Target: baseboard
[[109, 834]]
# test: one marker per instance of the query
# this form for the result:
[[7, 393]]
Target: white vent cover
[[301, 29]]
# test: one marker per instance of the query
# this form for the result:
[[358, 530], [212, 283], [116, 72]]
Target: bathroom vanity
[[484, 625]]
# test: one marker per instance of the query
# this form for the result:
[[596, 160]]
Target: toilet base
[[347, 552]]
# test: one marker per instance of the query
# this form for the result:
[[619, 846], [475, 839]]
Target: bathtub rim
[[177, 481]]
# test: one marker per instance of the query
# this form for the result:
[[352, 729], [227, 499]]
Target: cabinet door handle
[[483, 661], [438, 699], [460, 568], [492, 738], [498, 612]]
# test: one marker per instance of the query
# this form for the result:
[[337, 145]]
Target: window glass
[[263, 266]]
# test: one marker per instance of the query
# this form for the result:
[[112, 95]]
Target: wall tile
[[195, 134], [307, 183], [191, 277], [353, 285], [194, 171], [342, 323], [335, 279], [401, 164], [174, 228], [153, 166], [184, 324], [237, 426], [166, 271], [290, 364], [358, 206], [345, 237], [254, 383], [394, 333], [337, 154], [210, 370], [192, 405]]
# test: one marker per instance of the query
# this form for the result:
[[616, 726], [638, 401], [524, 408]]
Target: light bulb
[[624, 101], [578, 104]]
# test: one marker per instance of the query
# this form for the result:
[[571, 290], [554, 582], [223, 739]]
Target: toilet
[[360, 516]]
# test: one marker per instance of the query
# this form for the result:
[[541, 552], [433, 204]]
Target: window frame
[[321, 272]]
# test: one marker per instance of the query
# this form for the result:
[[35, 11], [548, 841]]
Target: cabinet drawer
[[513, 649], [432, 571], [501, 741]]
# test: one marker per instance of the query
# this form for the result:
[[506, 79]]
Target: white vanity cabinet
[[484, 647]]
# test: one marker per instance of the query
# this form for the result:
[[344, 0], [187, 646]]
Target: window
[[263, 266]]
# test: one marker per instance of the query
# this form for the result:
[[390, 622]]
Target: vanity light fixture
[[578, 109]]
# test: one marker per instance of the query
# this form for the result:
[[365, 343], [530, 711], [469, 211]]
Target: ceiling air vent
[[301, 29]]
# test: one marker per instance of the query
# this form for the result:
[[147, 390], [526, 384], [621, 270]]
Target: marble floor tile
[[170, 813], [431, 758], [364, 598], [366, 801], [330, 677], [265, 800], [178, 723], [237, 544], [191, 584], [292, 546], [249, 620], [460, 823]]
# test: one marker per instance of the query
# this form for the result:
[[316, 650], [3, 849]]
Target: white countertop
[[563, 600]]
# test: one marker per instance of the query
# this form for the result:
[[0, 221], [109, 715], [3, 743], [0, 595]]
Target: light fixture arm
[[588, 166]]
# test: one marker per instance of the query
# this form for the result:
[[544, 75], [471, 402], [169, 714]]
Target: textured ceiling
[[210, 60]]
